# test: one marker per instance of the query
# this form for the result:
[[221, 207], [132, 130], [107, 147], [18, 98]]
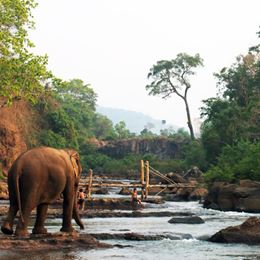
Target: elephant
[[37, 178]]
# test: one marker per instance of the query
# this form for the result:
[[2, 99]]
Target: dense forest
[[228, 149]]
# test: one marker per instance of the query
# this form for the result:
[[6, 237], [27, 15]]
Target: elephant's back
[[41, 161]]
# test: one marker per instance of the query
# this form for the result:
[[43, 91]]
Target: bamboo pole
[[142, 178], [90, 183], [147, 178]]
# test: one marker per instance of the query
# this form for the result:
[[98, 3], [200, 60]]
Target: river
[[192, 242]]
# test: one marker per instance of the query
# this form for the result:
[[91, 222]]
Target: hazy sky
[[112, 44]]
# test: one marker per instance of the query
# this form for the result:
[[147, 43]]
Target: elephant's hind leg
[[40, 219], [7, 226], [21, 227]]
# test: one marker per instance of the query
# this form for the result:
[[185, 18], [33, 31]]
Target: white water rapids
[[195, 248]]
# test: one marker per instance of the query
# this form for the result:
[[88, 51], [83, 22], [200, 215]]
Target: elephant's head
[[75, 162]]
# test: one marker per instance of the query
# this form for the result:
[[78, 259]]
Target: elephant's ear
[[74, 158]]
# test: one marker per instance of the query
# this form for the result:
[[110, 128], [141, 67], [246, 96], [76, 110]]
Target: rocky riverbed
[[55, 241]]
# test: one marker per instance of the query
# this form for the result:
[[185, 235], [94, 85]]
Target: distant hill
[[135, 121]]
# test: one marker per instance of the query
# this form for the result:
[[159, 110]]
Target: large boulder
[[175, 177], [187, 220], [194, 173], [244, 196], [198, 194], [248, 233]]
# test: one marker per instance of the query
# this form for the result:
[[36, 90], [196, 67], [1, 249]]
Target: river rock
[[140, 237], [102, 190], [198, 194], [194, 173], [125, 191], [244, 196], [175, 177], [248, 233], [55, 241], [186, 220]]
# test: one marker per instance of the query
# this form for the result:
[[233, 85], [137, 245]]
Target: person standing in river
[[81, 199]]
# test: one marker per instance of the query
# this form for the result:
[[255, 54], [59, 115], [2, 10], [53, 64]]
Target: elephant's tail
[[18, 196]]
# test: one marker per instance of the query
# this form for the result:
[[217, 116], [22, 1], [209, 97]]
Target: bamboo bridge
[[143, 183]]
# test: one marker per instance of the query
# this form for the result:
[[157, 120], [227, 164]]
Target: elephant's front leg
[[7, 226], [68, 198], [40, 219]]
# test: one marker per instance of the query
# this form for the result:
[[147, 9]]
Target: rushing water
[[196, 247]]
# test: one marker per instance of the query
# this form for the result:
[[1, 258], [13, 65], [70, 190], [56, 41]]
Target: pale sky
[[112, 44]]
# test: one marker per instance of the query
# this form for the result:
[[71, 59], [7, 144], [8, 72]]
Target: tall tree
[[22, 73], [170, 76], [234, 115]]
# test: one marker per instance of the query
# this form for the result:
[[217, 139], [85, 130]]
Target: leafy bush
[[241, 161], [49, 138], [194, 155]]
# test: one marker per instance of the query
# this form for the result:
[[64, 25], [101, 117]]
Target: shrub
[[241, 161]]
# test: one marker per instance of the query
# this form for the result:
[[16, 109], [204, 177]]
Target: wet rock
[[138, 237], [175, 177], [187, 220], [198, 194], [117, 203], [125, 191], [248, 233], [133, 214], [102, 191], [244, 196], [55, 241], [182, 194]]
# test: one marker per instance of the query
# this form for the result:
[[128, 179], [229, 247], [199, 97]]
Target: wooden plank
[[142, 178], [90, 184], [147, 179], [177, 185]]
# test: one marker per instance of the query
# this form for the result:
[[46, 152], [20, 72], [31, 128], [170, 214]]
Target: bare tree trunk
[[189, 119]]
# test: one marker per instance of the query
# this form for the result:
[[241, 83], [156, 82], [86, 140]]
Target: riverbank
[[55, 241]]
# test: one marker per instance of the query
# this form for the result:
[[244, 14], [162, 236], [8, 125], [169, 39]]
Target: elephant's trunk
[[76, 215]]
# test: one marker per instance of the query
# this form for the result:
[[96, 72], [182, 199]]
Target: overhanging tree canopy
[[22, 74]]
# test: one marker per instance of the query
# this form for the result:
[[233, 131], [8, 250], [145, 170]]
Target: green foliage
[[240, 161], [146, 133], [75, 90], [166, 166], [170, 76], [61, 124], [52, 139], [103, 127], [234, 116], [121, 131], [194, 155], [15, 20], [22, 73]]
